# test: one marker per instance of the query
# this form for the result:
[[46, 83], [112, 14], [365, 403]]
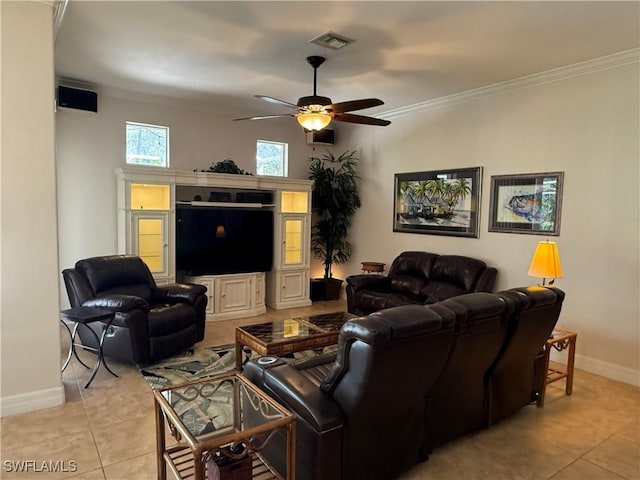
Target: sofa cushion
[[415, 264], [372, 299], [400, 299], [436, 291], [167, 319], [407, 284], [456, 269]]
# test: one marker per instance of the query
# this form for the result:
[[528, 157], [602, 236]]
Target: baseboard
[[28, 402], [604, 369], [251, 312]]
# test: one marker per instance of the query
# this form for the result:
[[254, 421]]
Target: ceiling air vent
[[331, 40]]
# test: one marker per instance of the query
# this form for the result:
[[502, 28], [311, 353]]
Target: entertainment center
[[246, 238]]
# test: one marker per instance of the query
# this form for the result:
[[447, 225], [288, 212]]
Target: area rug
[[205, 415], [200, 362]]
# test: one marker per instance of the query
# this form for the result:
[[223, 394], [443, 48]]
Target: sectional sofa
[[409, 379]]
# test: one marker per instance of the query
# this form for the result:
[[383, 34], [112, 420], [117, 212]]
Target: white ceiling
[[222, 53]]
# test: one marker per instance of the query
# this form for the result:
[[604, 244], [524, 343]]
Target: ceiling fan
[[315, 112]]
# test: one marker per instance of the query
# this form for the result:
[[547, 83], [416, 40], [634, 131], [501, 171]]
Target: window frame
[[284, 159], [168, 144]]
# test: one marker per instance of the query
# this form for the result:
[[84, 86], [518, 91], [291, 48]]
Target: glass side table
[[559, 340], [214, 416]]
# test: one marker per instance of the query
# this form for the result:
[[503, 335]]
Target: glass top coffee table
[[281, 337], [223, 420]]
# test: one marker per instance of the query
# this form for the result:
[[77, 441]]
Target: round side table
[[373, 267]]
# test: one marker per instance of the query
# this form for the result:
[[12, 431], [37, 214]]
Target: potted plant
[[334, 201]]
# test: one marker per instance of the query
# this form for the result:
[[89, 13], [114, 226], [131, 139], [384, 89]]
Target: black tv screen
[[218, 240]]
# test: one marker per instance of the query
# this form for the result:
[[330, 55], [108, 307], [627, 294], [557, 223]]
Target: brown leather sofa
[[151, 322], [418, 278], [408, 379]]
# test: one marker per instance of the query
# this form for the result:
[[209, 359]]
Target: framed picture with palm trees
[[440, 202], [526, 203]]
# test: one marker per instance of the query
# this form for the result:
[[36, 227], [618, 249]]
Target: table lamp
[[546, 262]]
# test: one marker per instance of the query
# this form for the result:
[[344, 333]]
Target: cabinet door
[[293, 285], [259, 290], [233, 293], [294, 233], [150, 240]]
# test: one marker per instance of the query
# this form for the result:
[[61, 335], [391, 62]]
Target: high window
[[271, 158], [147, 145]]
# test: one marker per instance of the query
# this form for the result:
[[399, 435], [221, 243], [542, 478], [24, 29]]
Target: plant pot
[[316, 292], [325, 289], [332, 288]]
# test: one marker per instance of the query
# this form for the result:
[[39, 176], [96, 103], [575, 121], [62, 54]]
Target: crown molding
[[586, 67]]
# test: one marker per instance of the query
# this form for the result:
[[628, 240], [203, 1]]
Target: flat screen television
[[222, 240]]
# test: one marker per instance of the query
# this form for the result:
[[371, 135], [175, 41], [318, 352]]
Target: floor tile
[[109, 428], [617, 455], [584, 470]]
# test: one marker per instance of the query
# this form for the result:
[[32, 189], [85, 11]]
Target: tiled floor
[[108, 429]]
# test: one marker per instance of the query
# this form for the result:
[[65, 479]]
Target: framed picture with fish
[[440, 202], [526, 203]]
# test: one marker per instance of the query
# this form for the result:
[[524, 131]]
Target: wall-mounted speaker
[[69, 97], [321, 137]]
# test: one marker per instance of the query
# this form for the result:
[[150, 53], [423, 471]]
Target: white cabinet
[[232, 296], [145, 224], [288, 282], [146, 205]]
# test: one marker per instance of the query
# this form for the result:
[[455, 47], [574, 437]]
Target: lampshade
[[314, 120], [220, 232], [546, 262]]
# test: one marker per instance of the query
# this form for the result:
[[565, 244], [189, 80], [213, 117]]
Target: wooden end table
[[214, 415], [373, 267], [560, 339]]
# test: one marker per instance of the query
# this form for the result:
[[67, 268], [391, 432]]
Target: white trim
[[602, 368], [609, 370], [562, 73], [28, 402]]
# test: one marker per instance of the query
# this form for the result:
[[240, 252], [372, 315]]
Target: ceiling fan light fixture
[[313, 120]]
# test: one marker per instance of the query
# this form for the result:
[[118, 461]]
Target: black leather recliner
[[362, 416], [151, 322]]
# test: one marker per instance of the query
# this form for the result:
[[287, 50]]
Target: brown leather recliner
[[151, 322], [362, 416], [418, 278]]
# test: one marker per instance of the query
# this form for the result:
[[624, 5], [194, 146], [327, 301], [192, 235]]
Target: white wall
[[91, 145], [586, 126], [29, 246]]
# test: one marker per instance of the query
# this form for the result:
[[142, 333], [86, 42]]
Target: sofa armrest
[[297, 394], [118, 303], [486, 280], [374, 282], [178, 293]]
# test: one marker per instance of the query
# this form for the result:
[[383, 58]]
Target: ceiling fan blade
[[276, 100], [351, 118], [354, 105], [263, 117]]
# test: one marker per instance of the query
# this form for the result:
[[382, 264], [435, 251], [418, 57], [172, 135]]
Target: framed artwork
[[529, 203], [440, 202]]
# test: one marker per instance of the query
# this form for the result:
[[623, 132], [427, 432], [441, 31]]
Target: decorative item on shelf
[[334, 201], [546, 262], [225, 166]]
